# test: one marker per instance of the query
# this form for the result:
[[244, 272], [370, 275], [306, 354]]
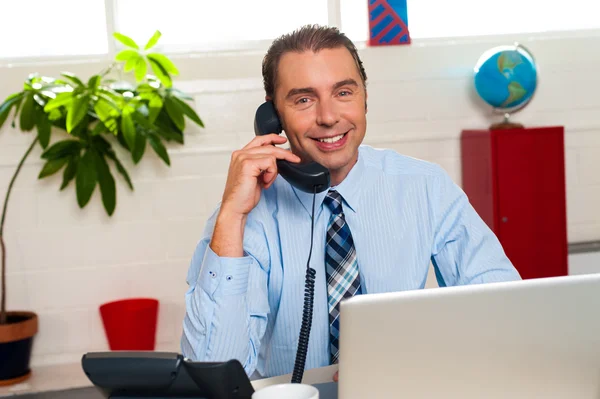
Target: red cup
[[130, 324]]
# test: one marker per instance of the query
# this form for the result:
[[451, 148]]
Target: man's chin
[[335, 165], [332, 160]]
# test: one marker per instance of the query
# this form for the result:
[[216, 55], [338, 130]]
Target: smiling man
[[384, 219]]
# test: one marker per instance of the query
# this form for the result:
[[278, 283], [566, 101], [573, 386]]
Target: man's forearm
[[228, 236]]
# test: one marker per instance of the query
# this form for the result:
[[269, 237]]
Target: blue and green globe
[[506, 77]]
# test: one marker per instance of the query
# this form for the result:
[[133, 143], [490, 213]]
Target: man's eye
[[302, 100], [345, 93]]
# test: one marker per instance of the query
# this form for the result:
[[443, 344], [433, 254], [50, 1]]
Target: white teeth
[[332, 139]]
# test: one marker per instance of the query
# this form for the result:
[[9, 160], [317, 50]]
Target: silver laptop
[[527, 339]]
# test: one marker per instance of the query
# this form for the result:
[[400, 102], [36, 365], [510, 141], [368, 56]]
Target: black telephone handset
[[311, 177]]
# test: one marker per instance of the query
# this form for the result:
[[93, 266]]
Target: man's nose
[[327, 113]]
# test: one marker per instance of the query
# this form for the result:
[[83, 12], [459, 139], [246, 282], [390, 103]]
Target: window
[[193, 24], [355, 20], [436, 18], [50, 28], [47, 28]]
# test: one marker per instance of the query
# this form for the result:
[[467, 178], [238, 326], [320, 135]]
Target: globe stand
[[506, 124]]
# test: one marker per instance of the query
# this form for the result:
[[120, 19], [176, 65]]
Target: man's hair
[[307, 38]]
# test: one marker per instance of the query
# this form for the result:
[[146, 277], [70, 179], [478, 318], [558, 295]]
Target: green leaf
[[155, 104], [60, 100], [44, 128], [103, 110], [153, 40], [62, 149], [52, 166], [128, 129], [55, 115], [126, 40], [27, 117], [175, 113], [39, 100], [139, 148], [94, 82], [73, 78], [107, 112], [120, 168], [110, 101], [111, 94], [159, 148], [7, 106], [125, 55], [70, 171], [171, 135], [140, 69], [132, 63], [85, 178], [106, 182], [13, 97], [99, 129], [161, 73], [100, 144], [142, 120], [145, 88], [165, 62], [187, 110], [167, 128], [77, 111]]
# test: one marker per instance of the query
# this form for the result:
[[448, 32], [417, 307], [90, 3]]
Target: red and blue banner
[[388, 22]]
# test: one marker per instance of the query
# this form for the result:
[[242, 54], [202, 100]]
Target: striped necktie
[[343, 279]]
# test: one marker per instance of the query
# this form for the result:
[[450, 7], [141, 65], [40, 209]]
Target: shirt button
[[214, 275], [229, 278]]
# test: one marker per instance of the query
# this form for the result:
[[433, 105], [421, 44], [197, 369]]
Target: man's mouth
[[333, 139], [332, 143]]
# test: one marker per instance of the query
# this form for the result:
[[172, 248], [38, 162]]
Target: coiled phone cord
[[307, 313]]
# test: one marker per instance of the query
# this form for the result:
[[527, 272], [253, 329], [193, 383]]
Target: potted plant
[[92, 115]]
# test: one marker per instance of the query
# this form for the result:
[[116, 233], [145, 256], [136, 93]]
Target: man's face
[[321, 102]]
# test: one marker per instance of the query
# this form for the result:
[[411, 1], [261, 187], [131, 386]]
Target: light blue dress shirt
[[402, 212]]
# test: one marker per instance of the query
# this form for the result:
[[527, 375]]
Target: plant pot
[[16, 341], [130, 324]]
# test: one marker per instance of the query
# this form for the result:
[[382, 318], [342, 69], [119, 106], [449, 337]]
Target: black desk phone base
[[154, 375]]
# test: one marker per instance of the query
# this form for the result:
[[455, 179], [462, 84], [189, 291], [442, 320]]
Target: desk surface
[[77, 393], [326, 391]]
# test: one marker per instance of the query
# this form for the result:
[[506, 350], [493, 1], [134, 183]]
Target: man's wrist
[[228, 236], [231, 217]]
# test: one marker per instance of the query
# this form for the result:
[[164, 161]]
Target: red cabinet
[[515, 179]]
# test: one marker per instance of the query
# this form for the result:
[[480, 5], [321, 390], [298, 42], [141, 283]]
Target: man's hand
[[252, 169], [335, 376]]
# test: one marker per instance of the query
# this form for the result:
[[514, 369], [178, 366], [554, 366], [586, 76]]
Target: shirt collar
[[349, 189]]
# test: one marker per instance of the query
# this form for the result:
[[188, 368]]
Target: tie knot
[[333, 200]]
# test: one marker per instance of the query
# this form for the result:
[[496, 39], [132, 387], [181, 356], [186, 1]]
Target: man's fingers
[[257, 165], [269, 176], [278, 153], [335, 376], [265, 140]]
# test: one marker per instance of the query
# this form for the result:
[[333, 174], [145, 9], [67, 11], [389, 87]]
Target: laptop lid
[[525, 339]]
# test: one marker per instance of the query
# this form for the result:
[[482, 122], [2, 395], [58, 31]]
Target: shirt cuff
[[223, 275]]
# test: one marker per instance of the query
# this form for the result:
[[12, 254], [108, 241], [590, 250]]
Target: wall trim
[[584, 247]]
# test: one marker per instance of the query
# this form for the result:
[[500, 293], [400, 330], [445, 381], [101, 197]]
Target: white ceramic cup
[[287, 391]]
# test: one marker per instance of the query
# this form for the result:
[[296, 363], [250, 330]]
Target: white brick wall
[[64, 262]]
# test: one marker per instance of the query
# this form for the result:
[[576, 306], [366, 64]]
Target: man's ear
[[366, 108], [268, 98]]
